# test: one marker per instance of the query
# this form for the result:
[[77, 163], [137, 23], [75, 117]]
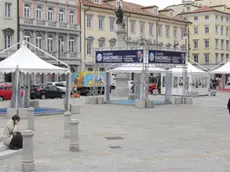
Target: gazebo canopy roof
[[225, 69], [191, 69], [28, 62], [136, 68]]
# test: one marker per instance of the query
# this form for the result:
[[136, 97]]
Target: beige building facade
[[8, 29], [145, 26]]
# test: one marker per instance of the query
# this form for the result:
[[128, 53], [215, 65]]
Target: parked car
[[6, 91], [60, 85], [35, 91], [48, 91]]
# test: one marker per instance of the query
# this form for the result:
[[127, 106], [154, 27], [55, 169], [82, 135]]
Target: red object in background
[[152, 87], [6, 91]]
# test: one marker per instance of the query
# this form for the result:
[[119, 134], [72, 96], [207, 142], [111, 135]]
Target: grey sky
[[160, 3]]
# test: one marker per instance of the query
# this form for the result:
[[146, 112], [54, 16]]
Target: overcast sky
[[160, 3]]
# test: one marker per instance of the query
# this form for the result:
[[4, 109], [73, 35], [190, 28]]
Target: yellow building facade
[[145, 25], [209, 34]]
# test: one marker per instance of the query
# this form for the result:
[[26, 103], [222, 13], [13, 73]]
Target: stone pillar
[[168, 87], [45, 42], [31, 125], [107, 87], [57, 45], [78, 47], [67, 43], [34, 39], [67, 116], [75, 109], [28, 154], [74, 138]]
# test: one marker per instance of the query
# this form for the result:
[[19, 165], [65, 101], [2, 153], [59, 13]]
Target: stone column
[[45, 42], [57, 47], [31, 125], [78, 47], [67, 116], [28, 152], [67, 46], [74, 138], [34, 39]]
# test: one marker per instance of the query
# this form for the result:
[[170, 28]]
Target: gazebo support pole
[[27, 90], [68, 91]]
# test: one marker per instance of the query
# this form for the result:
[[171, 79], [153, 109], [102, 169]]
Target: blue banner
[[166, 57], [119, 56]]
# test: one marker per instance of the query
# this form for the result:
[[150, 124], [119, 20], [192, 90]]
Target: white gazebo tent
[[136, 68], [198, 80], [224, 70], [26, 62]]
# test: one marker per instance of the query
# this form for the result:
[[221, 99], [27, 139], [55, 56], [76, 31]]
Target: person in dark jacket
[[228, 105]]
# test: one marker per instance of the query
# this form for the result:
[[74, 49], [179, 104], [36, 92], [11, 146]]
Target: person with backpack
[[11, 137]]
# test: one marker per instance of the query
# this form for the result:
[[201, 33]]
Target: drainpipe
[[157, 30], [85, 54], [18, 20], [128, 28]]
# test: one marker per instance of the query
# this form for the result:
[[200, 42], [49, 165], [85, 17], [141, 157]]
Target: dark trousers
[[16, 142]]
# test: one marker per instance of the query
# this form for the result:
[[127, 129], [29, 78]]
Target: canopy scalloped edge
[[34, 72], [213, 72]]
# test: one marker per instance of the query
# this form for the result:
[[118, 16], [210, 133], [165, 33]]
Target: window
[[195, 18], [39, 13], [222, 30], [132, 24], [206, 29], [61, 44], [222, 18], [112, 24], [206, 43], [142, 28], [217, 30], [50, 44], [217, 58], [217, 43], [50, 14], [227, 55], [206, 17], [182, 31], [195, 58], [206, 58], [39, 42], [7, 10], [160, 30], [89, 21], [8, 41], [155, 10], [89, 46], [27, 39], [195, 30], [217, 17], [222, 57], [118, 3], [167, 28], [61, 15], [150, 29], [97, 1], [195, 44], [101, 23], [26, 11], [71, 17], [227, 44], [222, 44], [101, 43], [188, 8], [71, 45], [112, 43], [226, 31], [175, 30]]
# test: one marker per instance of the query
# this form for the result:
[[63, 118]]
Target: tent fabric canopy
[[191, 69], [225, 69], [28, 62], [136, 68]]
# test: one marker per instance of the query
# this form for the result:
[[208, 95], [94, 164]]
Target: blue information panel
[[119, 56], [166, 57]]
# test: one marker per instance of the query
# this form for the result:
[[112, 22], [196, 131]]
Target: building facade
[[209, 34], [53, 26], [8, 30], [145, 26]]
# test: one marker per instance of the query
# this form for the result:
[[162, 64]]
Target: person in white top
[[11, 130]]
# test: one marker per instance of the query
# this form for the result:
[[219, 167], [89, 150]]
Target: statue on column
[[119, 14]]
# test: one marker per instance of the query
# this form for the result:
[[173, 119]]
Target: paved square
[[170, 138]]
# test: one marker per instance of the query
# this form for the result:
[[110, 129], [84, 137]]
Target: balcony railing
[[40, 22], [6, 53]]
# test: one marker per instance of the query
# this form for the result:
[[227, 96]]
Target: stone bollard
[[75, 109], [67, 116], [31, 125], [27, 153], [74, 138]]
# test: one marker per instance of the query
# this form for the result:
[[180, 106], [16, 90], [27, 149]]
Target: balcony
[[28, 21], [51, 24], [63, 25], [40, 22], [73, 26]]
